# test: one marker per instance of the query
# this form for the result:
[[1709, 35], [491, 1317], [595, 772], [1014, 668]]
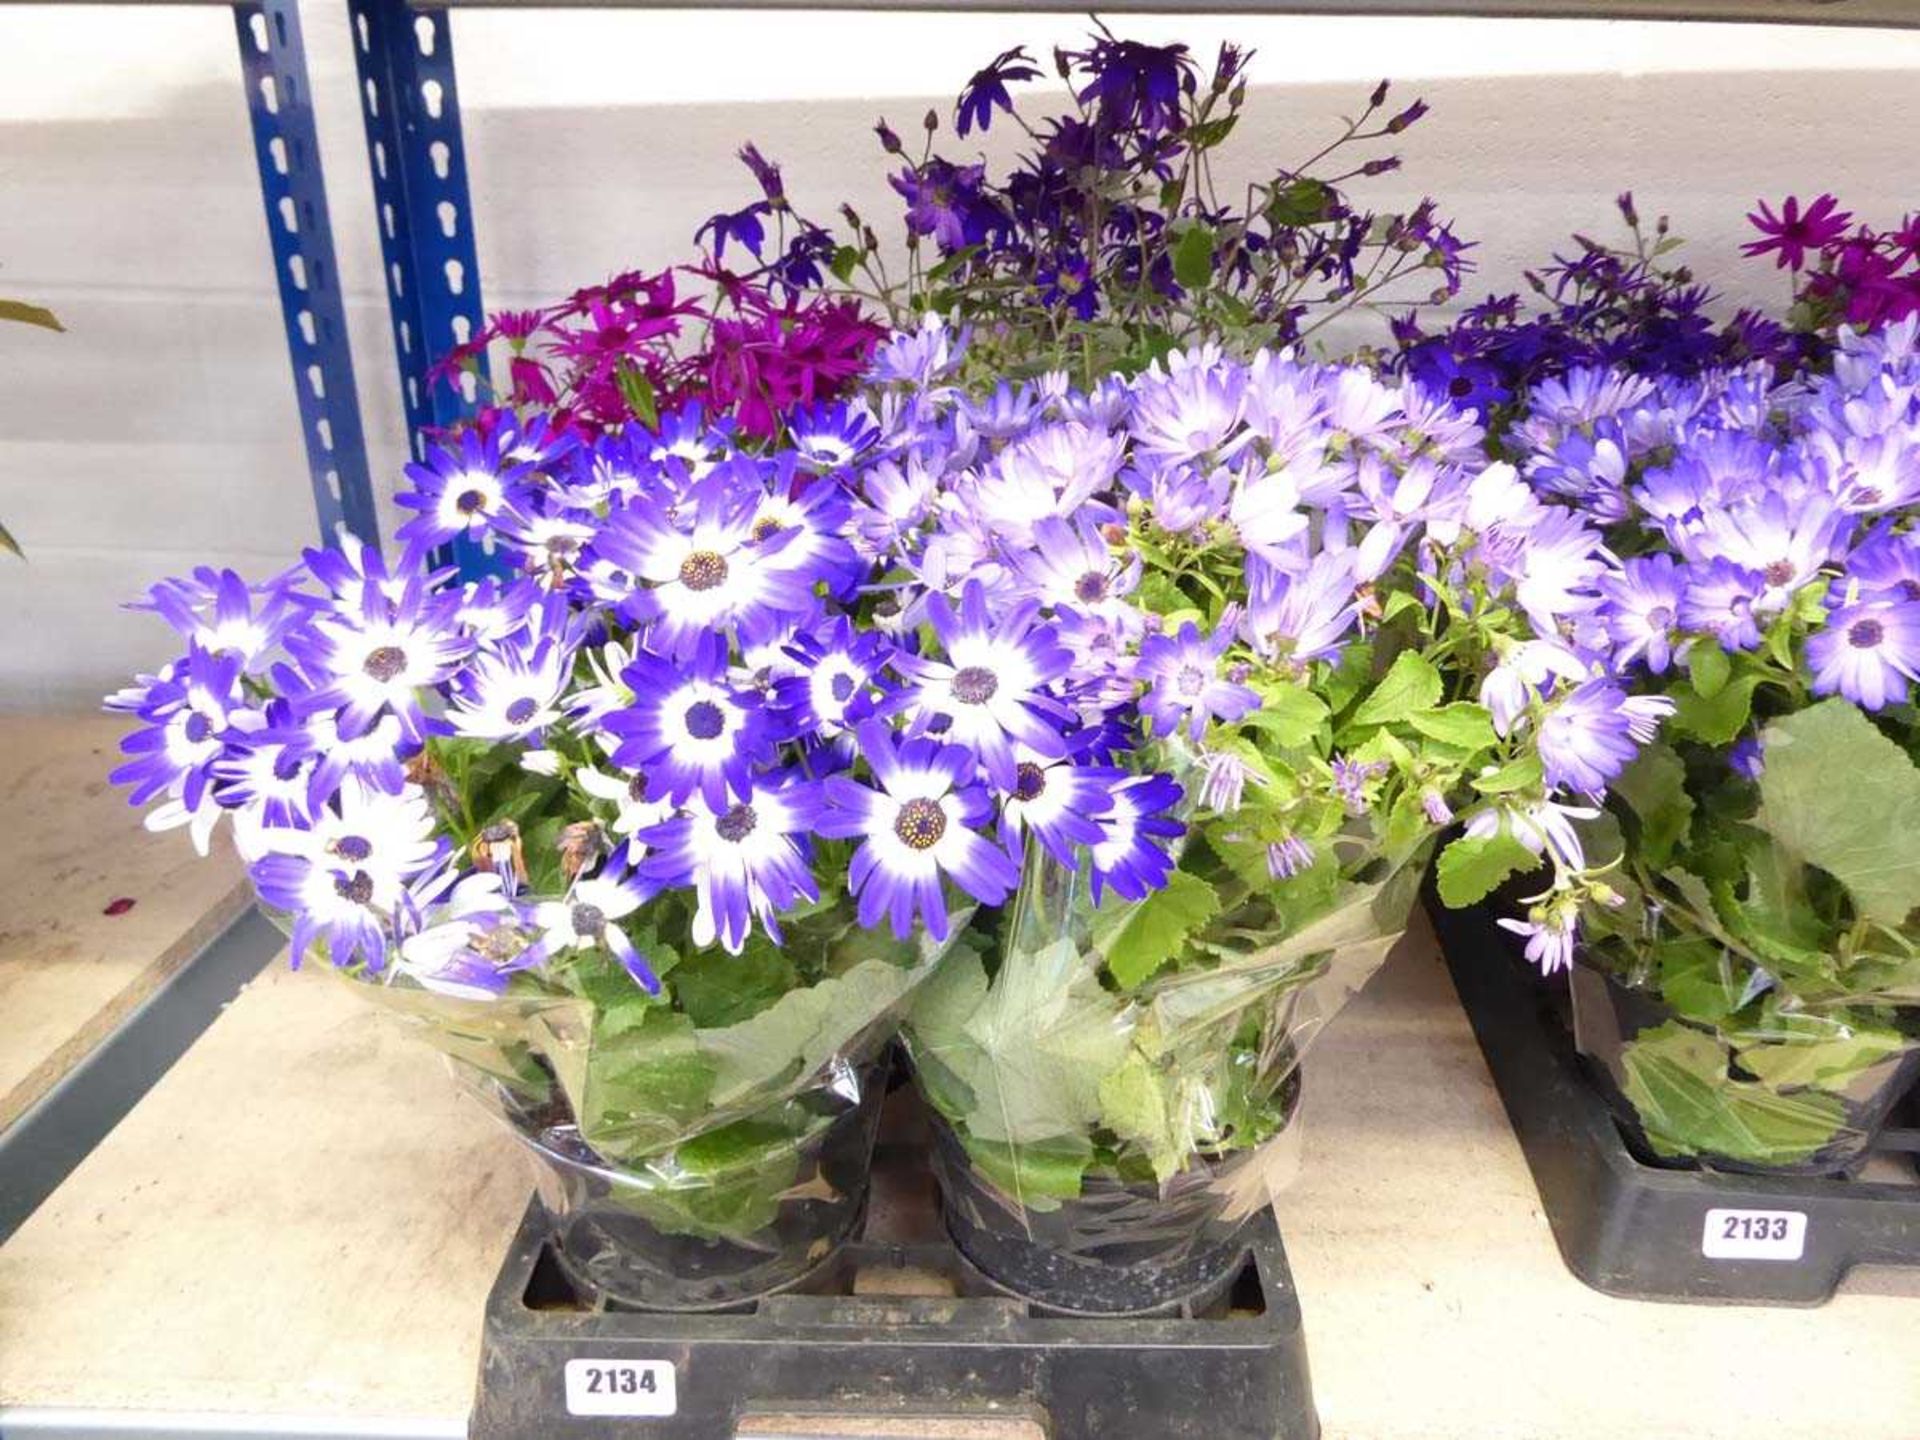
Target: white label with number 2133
[[1754, 1235], [620, 1387]]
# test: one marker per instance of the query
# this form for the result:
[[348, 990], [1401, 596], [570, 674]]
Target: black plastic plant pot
[[728, 1217], [1837, 1128], [1122, 1248]]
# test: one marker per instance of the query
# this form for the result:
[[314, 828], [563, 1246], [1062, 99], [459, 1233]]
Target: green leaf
[[1840, 795], [1833, 1063], [9, 544], [1038, 1176], [1697, 978], [1709, 668], [800, 1032], [716, 989], [1464, 726], [1677, 1079], [27, 314], [1303, 202], [1193, 257], [637, 391], [1206, 135], [845, 260], [1289, 715], [1473, 867], [1717, 719], [1524, 773], [1654, 787], [1138, 937], [1133, 1104], [1411, 683]]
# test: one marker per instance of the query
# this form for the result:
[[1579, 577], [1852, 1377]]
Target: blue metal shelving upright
[[293, 189]]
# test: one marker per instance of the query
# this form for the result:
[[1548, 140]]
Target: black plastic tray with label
[[897, 1337], [1663, 1232]]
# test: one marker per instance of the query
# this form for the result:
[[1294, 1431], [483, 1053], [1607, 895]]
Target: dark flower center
[[920, 824], [702, 570], [501, 832], [1090, 586], [198, 727], [359, 889], [1660, 618], [1459, 387], [765, 527], [974, 685], [521, 711], [1192, 681], [637, 788], [385, 663], [1910, 589], [1865, 634], [588, 920], [470, 501], [1867, 495], [705, 720], [736, 824], [841, 688], [1779, 572], [1028, 781], [352, 847]]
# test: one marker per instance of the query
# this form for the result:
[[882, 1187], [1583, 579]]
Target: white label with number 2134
[[1754, 1235], [620, 1387]]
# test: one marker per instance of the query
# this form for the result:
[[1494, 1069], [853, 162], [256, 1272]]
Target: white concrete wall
[[160, 432]]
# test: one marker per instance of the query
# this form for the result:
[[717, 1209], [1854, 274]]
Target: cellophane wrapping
[[1140, 1122]]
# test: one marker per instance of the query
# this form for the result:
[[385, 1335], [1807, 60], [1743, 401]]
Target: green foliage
[[1473, 867], [1654, 788], [1678, 1081], [1838, 794], [1412, 683], [1137, 939]]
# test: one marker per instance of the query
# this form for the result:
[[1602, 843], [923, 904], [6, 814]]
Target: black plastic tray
[[1635, 1229], [897, 1337]]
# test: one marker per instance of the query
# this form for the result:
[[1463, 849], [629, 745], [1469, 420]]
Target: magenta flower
[[1792, 233]]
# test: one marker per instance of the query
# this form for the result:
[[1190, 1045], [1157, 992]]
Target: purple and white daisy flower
[[1058, 802], [990, 690], [836, 684], [465, 488], [638, 808], [1131, 858], [467, 942], [688, 728], [1184, 683], [1643, 610], [511, 692], [747, 859], [1722, 599], [588, 919], [1869, 652], [915, 824], [706, 574], [1587, 736]]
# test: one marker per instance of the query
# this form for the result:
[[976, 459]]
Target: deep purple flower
[[688, 728], [987, 90]]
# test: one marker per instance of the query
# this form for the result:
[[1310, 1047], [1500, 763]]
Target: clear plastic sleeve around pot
[[1797, 1091], [1104, 1144], [687, 1166]]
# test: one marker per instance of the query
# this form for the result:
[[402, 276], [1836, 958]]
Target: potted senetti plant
[[1747, 971], [1225, 626], [612, 831]]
